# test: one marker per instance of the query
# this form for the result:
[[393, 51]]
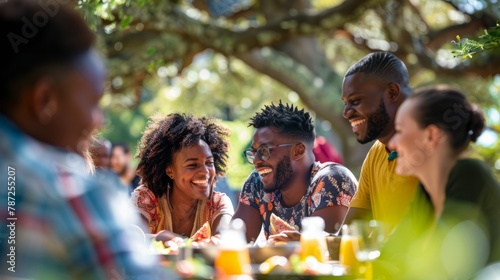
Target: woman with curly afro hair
[[181, 157]]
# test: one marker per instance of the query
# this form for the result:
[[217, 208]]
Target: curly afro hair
[[288, 119], [167, 135]]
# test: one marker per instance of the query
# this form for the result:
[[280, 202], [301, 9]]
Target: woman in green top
[[452, 229]]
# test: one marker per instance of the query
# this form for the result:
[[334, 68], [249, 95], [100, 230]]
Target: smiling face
[[365, 107], [193, 171], [410, 141], [277, 170]]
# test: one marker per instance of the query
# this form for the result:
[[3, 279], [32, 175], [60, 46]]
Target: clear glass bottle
[[313, 239], [233, 257]]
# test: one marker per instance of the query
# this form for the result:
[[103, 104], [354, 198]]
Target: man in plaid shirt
[[56, 221]]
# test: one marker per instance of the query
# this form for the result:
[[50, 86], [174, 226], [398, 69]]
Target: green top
[[464, 239]]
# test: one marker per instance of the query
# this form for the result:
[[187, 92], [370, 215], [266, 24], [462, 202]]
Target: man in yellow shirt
[[372, 91]]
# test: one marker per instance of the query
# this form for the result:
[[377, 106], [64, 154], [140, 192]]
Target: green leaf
[[126, 22], [151, 51]]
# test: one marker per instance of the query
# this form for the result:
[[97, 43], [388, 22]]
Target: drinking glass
[[312, 239], [347, 254], [370, 236], [233, 257]]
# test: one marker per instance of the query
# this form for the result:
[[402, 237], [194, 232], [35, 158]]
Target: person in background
[[453, 226], [287, 181], [372, 91], [100, 151], [120, 163], [100, 155], [57, 222], [181, 157]]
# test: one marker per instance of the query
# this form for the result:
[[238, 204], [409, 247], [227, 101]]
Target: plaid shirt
[[62, 223]]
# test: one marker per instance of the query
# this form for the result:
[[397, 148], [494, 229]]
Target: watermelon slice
[[278, 225], [203, 233]]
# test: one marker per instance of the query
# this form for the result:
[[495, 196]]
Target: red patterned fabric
[[158, 215]]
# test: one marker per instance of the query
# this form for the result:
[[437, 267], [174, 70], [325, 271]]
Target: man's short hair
[[288, 119], [34, 36], [385, 66]]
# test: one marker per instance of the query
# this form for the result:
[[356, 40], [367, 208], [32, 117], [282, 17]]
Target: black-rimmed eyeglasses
[[263, 152]]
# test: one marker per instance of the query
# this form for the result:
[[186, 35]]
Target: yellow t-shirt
[[381, 190]]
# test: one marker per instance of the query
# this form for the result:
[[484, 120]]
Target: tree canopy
[[228, 57]]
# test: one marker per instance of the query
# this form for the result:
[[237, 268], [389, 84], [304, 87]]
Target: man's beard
[[377, 122], [123, 170], [282, 174]]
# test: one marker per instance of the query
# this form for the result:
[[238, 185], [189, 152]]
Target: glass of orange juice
[[371, 237], [347, 253], [233, 261], [313, 247], [313, 240]]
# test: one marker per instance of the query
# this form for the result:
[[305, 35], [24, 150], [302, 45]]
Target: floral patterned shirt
[[331, 185]]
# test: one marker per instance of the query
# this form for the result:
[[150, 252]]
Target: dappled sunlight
[[171, 93], [204, 74], [446, 59], [465, 260], [492, 271], [382, 45], [325, 125], [194, 59], [293, 97], [192, 76], [117, 82], [497, 164], [488, 138]]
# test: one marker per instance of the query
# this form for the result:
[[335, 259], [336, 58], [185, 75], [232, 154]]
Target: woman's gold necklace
[[186, 218]]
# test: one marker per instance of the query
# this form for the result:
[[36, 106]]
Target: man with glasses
[[287, 181]]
